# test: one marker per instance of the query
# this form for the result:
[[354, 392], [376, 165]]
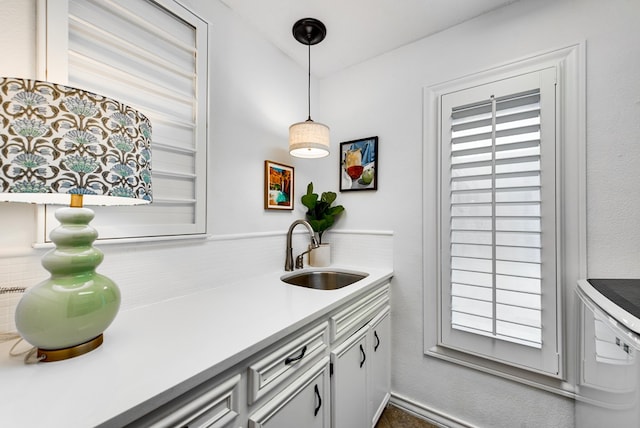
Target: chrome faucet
[[288, 264]]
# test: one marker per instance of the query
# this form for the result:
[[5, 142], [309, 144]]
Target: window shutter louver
[[152, 56]]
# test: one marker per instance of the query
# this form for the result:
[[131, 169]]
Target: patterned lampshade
[[56, 140]]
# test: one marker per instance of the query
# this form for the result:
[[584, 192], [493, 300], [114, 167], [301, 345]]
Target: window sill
[[526, 377]]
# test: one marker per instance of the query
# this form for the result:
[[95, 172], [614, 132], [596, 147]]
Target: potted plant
[[321, 215]]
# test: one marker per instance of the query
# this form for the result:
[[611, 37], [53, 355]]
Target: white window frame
[[52, 65], [571, 206]]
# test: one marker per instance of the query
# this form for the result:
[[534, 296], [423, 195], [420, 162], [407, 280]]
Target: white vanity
[[255, 353]]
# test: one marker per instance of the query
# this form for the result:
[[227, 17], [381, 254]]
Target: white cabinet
[[360, 382], [360, 354], [349, 382], [334, 373], [303, 403], [379, 368]]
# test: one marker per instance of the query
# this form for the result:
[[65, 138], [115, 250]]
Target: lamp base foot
[[50, 355]]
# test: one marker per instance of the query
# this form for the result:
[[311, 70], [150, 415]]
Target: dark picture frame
[[359, 164], [278, 186]]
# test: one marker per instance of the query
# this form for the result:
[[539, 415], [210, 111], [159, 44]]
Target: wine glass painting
[[359, 164]]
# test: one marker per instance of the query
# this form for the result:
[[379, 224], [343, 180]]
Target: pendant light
[[309, 139]]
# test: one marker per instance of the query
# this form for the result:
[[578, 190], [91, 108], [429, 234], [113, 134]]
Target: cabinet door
[[349, 397], [379, 370], [304, 403]]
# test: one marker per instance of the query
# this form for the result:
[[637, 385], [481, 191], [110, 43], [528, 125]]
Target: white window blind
[[495, 218], [498, 221], [153, 56]]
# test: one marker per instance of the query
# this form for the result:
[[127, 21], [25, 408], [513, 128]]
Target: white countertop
[[151, 349]]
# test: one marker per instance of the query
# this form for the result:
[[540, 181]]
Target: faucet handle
[[300, 260]]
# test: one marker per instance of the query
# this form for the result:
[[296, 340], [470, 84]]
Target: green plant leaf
[[320, 208], [316, 225], [310, 199], [336, 210], [328, 197], [320, 214], [328, 220]]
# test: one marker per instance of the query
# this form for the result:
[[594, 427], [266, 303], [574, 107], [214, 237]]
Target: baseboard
[[380, 410], [434, 417]]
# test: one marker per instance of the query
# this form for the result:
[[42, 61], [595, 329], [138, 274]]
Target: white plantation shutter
[[495, 218], [153, 56], [498, 211]]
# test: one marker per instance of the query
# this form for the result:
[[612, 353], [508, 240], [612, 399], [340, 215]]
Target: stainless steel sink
[[323, 279]]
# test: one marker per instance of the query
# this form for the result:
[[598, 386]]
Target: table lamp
[[63, 145]]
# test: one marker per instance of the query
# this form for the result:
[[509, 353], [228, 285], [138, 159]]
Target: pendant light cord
[[309, 83]]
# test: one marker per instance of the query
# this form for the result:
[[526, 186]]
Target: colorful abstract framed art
[[278, 186]]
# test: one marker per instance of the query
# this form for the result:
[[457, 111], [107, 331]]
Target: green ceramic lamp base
[[65, 315]]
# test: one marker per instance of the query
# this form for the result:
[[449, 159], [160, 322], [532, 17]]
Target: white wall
[[256, 93], [384, 97]]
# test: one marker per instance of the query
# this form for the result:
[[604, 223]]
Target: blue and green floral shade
[[56, 140]]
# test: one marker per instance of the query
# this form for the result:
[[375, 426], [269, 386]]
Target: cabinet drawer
[[301, 404], [270, 371], [209, 407], [358, 313]]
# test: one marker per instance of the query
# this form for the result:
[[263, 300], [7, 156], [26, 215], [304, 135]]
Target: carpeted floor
[[393, 417]]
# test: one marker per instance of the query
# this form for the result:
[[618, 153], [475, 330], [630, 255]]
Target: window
[[153, 56], [509, 160], [498, 232]]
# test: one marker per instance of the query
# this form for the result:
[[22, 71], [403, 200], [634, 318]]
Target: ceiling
[[357, 30]]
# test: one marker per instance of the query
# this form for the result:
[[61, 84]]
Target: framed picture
[[359, 164], [278, 186]]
